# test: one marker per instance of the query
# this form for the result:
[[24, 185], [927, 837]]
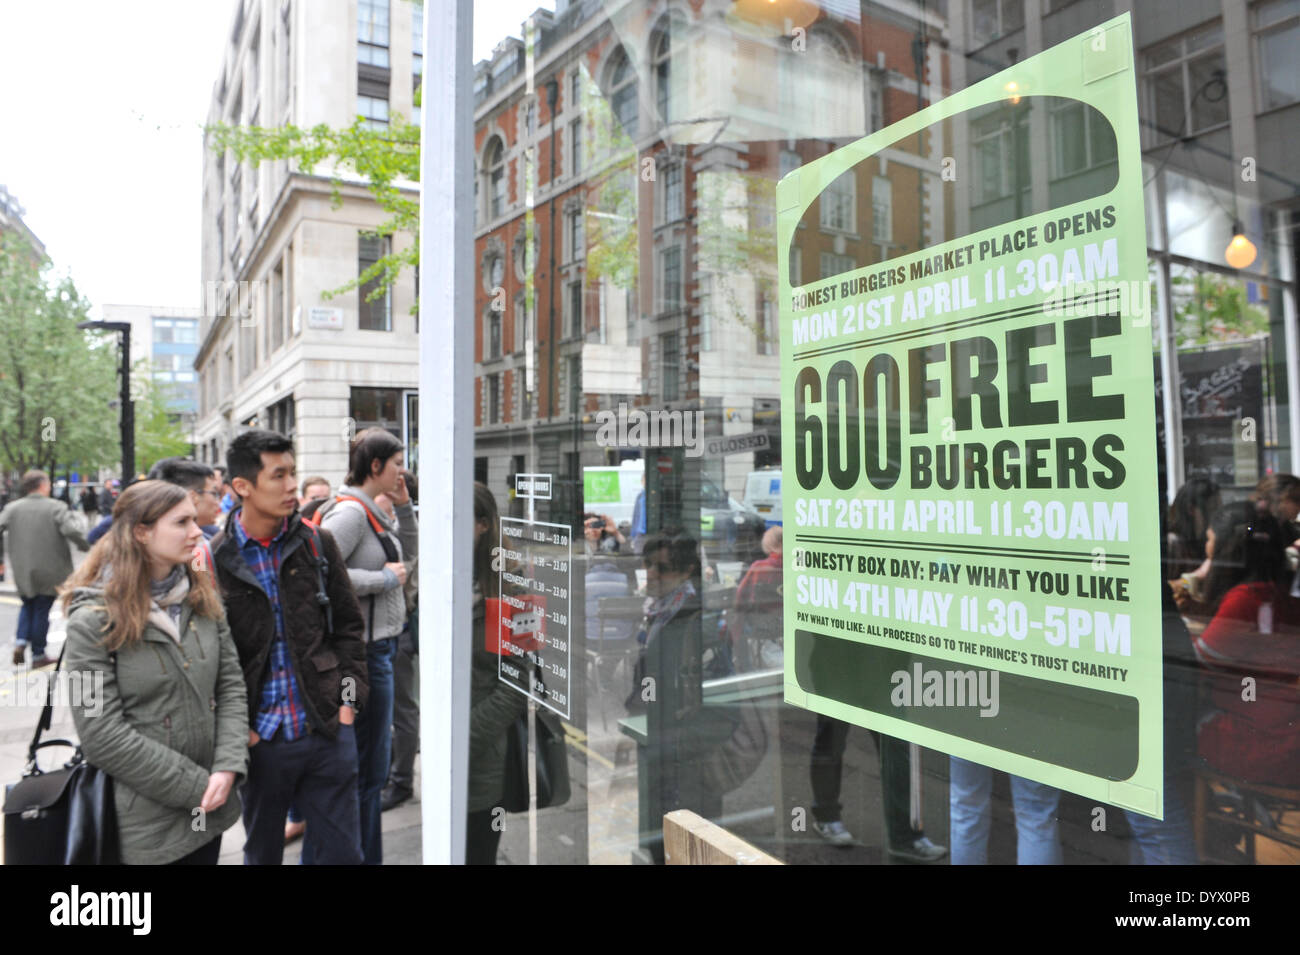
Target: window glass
[[658, 413]]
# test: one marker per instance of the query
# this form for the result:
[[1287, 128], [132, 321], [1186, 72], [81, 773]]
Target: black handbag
[[64, 816], [552, 762]]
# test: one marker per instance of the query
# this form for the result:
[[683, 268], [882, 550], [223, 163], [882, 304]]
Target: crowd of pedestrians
[[246, 650]]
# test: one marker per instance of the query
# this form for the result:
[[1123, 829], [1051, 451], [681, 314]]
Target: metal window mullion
[[446, 430]]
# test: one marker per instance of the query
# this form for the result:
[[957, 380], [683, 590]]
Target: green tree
[[1211, 308], [55, 382], [158, 431]]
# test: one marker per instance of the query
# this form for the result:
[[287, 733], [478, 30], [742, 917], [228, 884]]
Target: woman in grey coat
[[374, 548]]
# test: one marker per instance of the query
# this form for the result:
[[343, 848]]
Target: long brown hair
[[126, 596]]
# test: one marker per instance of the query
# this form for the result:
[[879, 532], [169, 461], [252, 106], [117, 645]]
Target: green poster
[[971, 505]]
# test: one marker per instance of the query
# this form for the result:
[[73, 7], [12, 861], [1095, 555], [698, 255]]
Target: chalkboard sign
[[1221, 390]]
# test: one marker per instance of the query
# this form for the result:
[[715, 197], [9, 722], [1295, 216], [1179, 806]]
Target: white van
[[763, 494]]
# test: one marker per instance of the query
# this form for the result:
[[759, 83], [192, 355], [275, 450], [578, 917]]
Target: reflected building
[[626, 160]]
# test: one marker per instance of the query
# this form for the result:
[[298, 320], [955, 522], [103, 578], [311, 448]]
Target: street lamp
[[127, 417]]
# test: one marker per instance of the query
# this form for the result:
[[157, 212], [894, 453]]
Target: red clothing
[[756, 616], [1255, 633]]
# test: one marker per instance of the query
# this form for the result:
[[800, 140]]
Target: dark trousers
[[319, 776], [203, 855], [895, 779], [406, 713], [34, 622], [481, 838]]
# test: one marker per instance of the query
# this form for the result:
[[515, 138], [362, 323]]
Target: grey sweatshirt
[[364, 555]]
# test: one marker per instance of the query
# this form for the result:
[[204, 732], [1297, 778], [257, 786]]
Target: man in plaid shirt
[[300, 635]]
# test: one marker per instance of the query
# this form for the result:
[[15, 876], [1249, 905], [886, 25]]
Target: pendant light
[[1240, 252]]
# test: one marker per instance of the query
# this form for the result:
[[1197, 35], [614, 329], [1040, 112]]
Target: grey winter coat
[[168, 716], [36, 530], [382, 602]]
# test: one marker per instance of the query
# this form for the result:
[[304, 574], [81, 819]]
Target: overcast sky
[[102, 104]]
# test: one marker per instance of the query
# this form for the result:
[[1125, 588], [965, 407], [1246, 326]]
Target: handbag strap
[[47, 713]]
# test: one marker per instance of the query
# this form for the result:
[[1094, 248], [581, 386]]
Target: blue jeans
[[1169, 842], [1038, 839], [374, 727], [34, 622]]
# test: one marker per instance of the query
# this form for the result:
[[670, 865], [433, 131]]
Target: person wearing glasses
[[200, 480]]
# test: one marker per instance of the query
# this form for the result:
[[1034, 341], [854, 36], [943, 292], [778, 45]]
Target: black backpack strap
[[322, 569]]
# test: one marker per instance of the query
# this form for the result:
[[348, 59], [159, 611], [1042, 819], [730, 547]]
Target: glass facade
[[631, 221]]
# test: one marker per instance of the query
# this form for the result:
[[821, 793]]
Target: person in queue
[[170, 722], [299, 632], [494, 704]]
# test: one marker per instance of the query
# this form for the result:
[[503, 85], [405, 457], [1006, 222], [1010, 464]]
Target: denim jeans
[[34, 622], [1038, 838], [1169, 842], [374, 746]]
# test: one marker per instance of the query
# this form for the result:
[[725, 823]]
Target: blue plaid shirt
[[281, 705]]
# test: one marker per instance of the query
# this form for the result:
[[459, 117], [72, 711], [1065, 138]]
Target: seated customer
[[1252, 650]]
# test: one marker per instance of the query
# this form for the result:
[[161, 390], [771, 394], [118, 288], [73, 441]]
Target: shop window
[[376, 408]]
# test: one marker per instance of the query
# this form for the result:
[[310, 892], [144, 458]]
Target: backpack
[[315, 512], [319, 561]]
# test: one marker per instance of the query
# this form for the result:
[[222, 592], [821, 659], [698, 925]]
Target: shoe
[[43, 661], [393, 796], [920, 850], [293, 831], [20, 654], [834, 833]]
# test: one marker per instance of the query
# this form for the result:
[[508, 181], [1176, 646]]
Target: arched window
[[623, 93], [496, 178], [662, 67]]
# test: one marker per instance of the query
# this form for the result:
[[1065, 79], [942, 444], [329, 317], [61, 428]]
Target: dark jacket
[[494, 705], [322, 661]]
